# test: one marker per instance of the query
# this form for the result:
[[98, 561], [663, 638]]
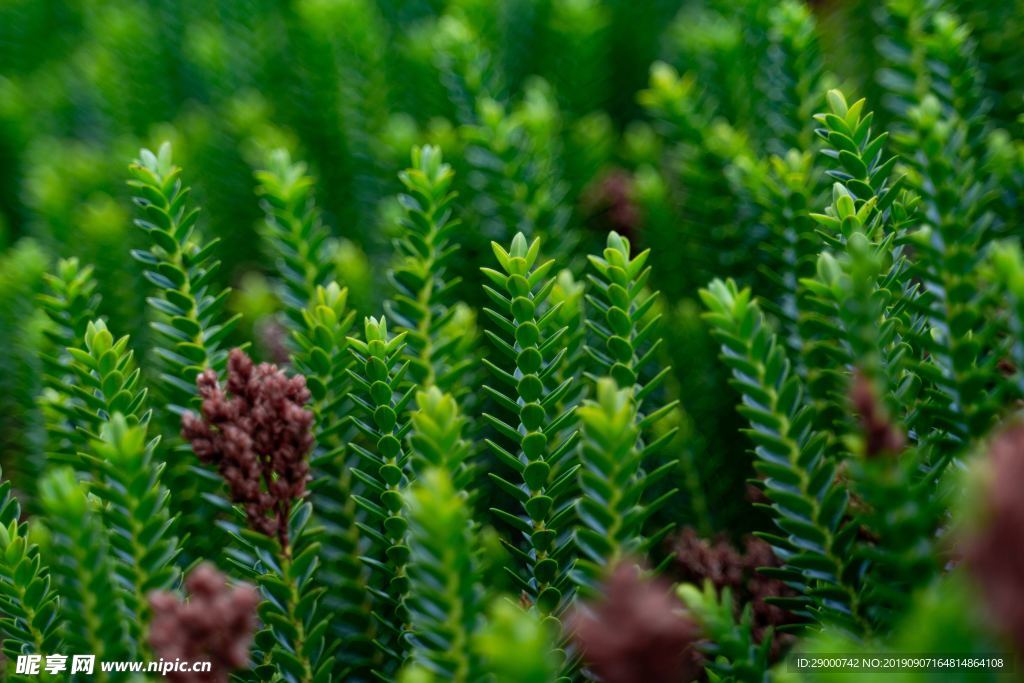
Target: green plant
[[798, 477], [733, 653], [423, 288], [188, 306], [444, 602], [31, 619], [614, 477], [294, 232], [541, 442], [421, 498], [384, 397], [83, 568], [294, 642], [137, 510]]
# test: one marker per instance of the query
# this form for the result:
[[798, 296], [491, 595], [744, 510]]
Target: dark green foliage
[[421, 306], [516, 177], [954, 349], [137, 514], [791, 78], [857, 311], [899, 304], [699, 150], [322, 356], [681, 143], [943, 135], [733, 655], [513, 147], [724, 43], [30, 623], [851, 315], [902, 512], [994, 28], [786, 190], [293, 645], [188, 306], [714, 487], [861, 162], [21, 422], [951, 243], [579, 33], [445, 593], [295, 235], [104, 380], [624, 322], [799, 480], [353, 65], [70, 301], [897, 504], [539, 441], [83, 569], [466, 67], [926, 49], [318, 316]]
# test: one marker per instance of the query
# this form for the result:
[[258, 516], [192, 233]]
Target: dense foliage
[[568, 301]]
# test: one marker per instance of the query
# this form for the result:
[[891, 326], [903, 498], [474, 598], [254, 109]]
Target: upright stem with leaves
[[30, 621], [421, 306], [807, 503], [539, 443], [190, 324], [383, 394]]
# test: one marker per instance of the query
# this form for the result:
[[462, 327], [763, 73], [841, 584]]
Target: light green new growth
[[614, 477]]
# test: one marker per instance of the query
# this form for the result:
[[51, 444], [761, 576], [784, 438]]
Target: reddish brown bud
[[609, 203], [215, 625], [638, 631], [996, 555], [881, 436], [258, 435], [698, 560]]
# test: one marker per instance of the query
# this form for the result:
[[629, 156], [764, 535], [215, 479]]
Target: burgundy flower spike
[[215, 625], [637, 632], [259, 435]]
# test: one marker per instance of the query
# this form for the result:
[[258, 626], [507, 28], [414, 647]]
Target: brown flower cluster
[[881, 436], [258, 435], [610, 205], [996, 555], [215, 625], [698, 559], [637, 632]]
